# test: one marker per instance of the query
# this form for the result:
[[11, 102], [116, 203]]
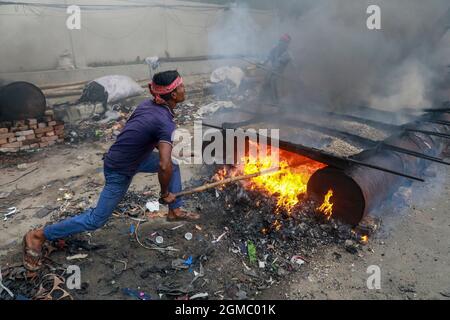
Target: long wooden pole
[[225, 181]]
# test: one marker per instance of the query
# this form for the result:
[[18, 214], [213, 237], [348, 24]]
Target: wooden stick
[[225, 181]]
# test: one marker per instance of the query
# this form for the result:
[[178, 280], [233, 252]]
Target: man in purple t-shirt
[[150, 126]]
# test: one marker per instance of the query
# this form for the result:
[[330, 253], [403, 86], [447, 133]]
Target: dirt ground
[[412, 248]]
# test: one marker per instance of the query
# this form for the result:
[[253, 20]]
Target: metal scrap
[[11, 211]]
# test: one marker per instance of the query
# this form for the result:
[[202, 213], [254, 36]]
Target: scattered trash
[[153, 62], [198, 227], [214, 107], [251, 273], [66, 196], [152, 206], [132, 229], [199, 296], [3, 287], [174, 289], [261, 264], [351, 246], [188, 261], [140, 295], [25, 166], [98, 133], [125, 264], [11, 211], [110, 115], [156, 214], [77, 256], [199, 274], [220, 237], [179, 264], [407, 288], [246, 267], [232, 75], [297, 260], [52, 288], [159, 240], [117, 87], [251, 251], [188, 236], [177, 227]]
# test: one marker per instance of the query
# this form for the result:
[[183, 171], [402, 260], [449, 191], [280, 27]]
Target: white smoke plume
[[339, 62]]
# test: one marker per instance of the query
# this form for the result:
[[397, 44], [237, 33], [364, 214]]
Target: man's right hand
[[169, 198]]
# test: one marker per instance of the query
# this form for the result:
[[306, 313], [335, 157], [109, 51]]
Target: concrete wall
[[32, 38], [136, 71]]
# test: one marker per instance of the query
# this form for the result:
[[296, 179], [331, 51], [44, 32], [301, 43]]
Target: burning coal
[[287, 185]]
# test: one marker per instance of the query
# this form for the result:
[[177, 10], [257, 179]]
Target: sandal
[[31, 258], [50, 289], [184, 216]]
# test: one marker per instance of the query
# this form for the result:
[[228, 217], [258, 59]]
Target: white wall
[[32, 38]]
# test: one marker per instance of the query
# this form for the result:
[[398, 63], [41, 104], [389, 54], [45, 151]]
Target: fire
[[287, 184], [364, 239], [327, 207]]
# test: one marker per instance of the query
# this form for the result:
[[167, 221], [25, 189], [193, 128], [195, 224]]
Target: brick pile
[[30, 134]]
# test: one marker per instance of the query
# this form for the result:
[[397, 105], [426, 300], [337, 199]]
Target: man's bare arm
[[165, 166]]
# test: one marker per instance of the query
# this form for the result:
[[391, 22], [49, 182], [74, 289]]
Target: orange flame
[[364, 239], [327, 207], [287, 184]]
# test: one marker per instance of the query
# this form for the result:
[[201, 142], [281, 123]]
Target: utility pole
[[166, 37], [71, 42]]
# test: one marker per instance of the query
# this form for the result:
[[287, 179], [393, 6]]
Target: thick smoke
[[343, 64], [339, 63], [241, 30]]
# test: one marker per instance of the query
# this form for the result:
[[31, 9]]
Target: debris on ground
[[230, 75]]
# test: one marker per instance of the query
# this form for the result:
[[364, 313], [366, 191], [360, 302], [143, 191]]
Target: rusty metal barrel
[[21, 100], [358, 190]]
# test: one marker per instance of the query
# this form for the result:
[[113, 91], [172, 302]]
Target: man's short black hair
[[164, 79]]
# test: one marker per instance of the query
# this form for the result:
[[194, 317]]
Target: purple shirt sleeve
[[166, 132]]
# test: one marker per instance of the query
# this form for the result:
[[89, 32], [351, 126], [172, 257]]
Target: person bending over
[[150, 127]]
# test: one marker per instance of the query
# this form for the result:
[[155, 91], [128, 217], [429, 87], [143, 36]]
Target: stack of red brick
[[31, 133]]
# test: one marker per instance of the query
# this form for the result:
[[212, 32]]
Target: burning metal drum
[[358, 190], [21, 100]]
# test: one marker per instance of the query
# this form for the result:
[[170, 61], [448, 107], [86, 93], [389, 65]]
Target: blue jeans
[[116, 185]]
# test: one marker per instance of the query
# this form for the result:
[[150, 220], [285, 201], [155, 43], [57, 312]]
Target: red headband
[[157, 90], [285, 37]]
